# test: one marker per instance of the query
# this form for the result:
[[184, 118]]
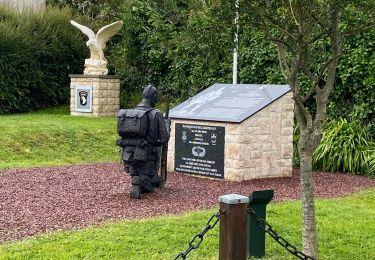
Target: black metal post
[[258, 201]]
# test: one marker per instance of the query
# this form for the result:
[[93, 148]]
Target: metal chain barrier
[[279, 239], [198, 238]]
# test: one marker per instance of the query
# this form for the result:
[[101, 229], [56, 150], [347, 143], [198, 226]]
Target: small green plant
[[345, 146]]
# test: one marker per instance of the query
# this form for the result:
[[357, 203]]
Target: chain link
[[198, 238], [279, 239]]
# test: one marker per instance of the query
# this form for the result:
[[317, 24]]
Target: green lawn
[[346, 231], [53, 137]]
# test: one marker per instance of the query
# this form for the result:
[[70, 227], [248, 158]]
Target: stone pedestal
[[102, 93]]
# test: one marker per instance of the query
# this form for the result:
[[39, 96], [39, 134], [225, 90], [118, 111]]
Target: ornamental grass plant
[[345, 147]]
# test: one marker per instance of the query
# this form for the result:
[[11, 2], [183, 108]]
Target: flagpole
[[235, 50]]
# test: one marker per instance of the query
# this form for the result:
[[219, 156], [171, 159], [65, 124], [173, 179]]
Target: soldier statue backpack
[[132, 123]]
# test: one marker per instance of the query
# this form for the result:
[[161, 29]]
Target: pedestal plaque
[[199, 149], [84, 99]]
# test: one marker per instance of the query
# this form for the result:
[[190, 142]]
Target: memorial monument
[[95, 93], [234, 132]]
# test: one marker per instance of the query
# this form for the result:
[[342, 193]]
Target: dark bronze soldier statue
[[143, 131]]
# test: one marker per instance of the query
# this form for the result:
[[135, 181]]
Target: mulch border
[[42, 200]]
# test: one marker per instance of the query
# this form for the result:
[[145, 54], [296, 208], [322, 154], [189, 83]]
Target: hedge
[[37, 53]]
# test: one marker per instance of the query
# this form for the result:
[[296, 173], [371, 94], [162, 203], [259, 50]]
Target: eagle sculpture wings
[[97, 63]]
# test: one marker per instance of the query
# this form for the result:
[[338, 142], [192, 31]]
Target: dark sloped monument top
[[228, 102]]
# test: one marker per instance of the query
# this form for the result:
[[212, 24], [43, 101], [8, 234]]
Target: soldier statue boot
[[146, 185], [135, 192]]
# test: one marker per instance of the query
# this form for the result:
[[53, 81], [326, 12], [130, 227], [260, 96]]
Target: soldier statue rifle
[[164, 151]]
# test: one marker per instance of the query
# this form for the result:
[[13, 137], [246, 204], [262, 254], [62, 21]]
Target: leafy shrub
[[95, 9], [187, 46], [37, 53], [19, 71], [346, 147], [355, 82], [174, 45]]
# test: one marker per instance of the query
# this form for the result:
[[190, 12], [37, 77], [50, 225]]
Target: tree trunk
[[309, 232]]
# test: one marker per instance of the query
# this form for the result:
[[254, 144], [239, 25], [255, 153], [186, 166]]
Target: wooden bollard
[[233, 228]]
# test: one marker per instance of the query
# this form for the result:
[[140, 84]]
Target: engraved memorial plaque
[[199, 149], [228, 102]]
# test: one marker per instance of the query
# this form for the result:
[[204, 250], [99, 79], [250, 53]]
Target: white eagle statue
[[97, 63]]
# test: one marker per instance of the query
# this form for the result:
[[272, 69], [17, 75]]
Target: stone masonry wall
[[105, 94], [259, 147]]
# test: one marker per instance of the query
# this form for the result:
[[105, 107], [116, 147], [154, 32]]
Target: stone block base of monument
[[234, 132], [94, 95]]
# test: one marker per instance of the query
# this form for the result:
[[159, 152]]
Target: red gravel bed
[[40, 200]]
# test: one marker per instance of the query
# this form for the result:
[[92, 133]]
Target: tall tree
[[309, 36]]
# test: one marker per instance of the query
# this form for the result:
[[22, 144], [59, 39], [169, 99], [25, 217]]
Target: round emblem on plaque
[[198, 151]]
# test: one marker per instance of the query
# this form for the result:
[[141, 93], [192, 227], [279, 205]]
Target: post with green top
[[258, 201], [233, 218]]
